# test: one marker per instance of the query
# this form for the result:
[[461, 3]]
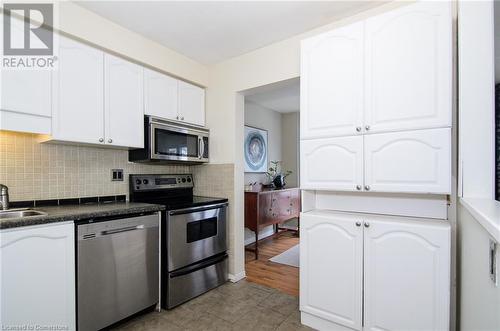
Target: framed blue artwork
[[255, 149]]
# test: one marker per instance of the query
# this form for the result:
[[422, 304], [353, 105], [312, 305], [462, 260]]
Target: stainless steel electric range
[[193, 235]]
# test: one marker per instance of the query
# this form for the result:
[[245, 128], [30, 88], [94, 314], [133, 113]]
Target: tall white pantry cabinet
[[376, 120]]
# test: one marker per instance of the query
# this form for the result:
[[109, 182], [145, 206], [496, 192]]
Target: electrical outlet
[[117, 175]]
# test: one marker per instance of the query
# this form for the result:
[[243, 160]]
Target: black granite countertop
[[80, 212]]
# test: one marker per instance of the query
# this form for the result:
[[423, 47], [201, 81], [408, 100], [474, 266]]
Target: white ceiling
[[282, 97], [213, 31]]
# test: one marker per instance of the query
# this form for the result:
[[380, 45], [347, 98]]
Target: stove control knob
[[145, 182], [183, 180], [137, 181], [189, 179]]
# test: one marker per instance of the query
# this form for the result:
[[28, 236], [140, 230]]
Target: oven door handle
[[198, 266], [196, 209]]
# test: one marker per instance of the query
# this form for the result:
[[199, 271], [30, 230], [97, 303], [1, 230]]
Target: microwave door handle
[[202, 148], [199, 147]]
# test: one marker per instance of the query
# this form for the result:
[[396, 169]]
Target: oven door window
[[202, 229], [175, 143]]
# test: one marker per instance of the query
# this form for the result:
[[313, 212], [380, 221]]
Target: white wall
[[270, 120], [479, 297], [290, 147]]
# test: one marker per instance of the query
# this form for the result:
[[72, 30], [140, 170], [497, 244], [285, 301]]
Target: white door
[[78, 94], [124, 103], [413, 161], [407, 274], [331, 82], [27, 91], [160, 95], [332, 164], [37, 281], [409, 68], [331, 258], [191, 103]]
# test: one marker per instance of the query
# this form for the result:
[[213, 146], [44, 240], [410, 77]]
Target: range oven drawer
[[189, 282], [195, 234]]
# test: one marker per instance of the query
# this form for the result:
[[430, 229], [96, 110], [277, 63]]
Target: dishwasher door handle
[[125, 229]]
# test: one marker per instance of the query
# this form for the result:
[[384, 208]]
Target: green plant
[[275, 170]]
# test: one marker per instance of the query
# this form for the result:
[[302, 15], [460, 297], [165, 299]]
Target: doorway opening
[[272, 197]]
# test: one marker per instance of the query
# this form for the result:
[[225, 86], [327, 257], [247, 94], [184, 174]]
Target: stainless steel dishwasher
[[117, 269]]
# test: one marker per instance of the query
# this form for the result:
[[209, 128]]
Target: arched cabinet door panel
[[335, 163], [406, 274], [37, 282], [332, 83], [408, 65], [331, 254], [411, 161]]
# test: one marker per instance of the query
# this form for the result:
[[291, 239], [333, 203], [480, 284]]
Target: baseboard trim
[[236, 278], [320, 324]]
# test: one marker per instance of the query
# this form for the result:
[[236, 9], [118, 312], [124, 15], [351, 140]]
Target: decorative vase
[[279, 181]]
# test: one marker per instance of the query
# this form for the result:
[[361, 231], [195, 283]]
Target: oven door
[[195, 234], [178, 143]]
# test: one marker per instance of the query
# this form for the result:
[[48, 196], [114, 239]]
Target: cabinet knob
[[358, 187], [358, 223], [177, 117], [182, 118], [110, 140], [367, 225], [367, 187], [101, 140], [358, 129], [367, 128]]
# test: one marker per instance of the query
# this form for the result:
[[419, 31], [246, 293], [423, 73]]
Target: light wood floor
[[279, 276]]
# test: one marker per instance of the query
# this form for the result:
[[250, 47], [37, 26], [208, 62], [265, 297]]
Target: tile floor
[[234, 306]]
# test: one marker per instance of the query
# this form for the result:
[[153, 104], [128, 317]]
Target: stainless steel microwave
[[171, 142]]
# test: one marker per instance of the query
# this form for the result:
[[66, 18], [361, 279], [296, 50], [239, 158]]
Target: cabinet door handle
[[101, 140], [110, 140], [367, 128], [358, 223], [358, 187], [367, 187], [358, 129], [493, 262], [367, 225]]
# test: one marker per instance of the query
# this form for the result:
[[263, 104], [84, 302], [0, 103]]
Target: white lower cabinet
[[37, 280], [331, 269], [405, 264]]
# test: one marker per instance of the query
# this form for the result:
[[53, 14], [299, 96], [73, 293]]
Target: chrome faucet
[[4, 197]]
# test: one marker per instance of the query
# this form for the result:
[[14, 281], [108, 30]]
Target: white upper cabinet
[[332, 83], [334, 163], [78, 113], [413, 161], [26, 100], [160, 97], [124, 103], [406, 275], [331, 268], [408, 66], [170, 98], [191, 103], [37, 282]]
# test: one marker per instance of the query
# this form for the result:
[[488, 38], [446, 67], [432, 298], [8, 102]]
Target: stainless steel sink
[[20, 213]]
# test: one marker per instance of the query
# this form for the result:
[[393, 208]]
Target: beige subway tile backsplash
[[35, 170]]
